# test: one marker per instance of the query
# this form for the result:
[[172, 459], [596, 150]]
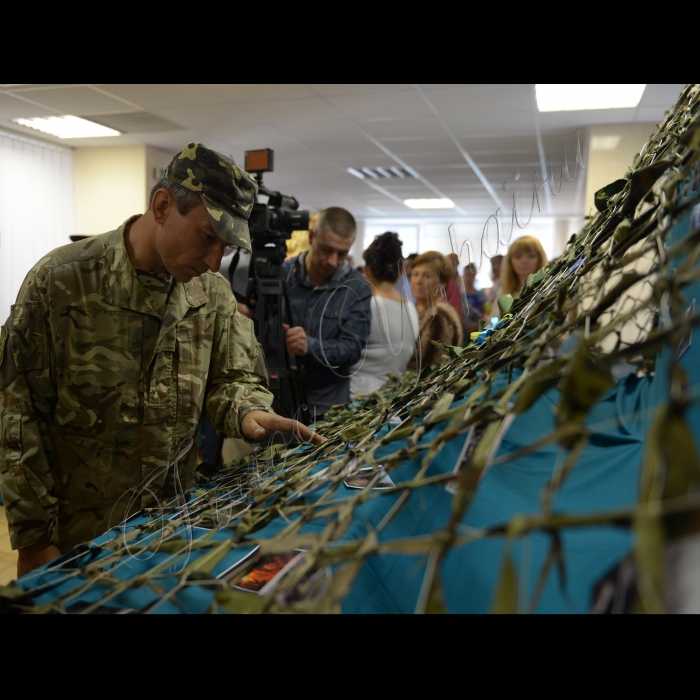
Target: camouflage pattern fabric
[[99, 389], [228, 192]]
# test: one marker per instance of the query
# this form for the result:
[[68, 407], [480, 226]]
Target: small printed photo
[[236, 569], [264, 571], [365, 475]]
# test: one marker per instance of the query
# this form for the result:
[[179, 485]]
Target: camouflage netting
[[606, 309]]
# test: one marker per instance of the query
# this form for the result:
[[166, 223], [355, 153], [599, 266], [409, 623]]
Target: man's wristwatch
[[245, 411]]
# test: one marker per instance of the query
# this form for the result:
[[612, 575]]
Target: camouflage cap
[[228, 192]]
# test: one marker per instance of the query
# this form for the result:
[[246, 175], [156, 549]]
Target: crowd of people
[[363, 324]]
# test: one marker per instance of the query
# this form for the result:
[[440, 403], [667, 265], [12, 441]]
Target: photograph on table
[[364, 477], [240, 566], [264, 571]]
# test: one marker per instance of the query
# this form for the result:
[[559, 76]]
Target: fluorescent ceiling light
[[429, 203], [371, 173], [562, 97], [67, 127], [605, 143], [384, 172], [356, 173], [396, 170]]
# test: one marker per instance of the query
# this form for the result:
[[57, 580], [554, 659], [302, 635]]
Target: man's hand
[[245, 310], [295, 337], [259, 424], [36, 555]]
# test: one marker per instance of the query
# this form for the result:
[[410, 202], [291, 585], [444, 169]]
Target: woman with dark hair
[[437, 320], [394, 319]]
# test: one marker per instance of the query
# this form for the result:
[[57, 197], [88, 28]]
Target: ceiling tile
[[305, 110], [14, 108], [504, 99], [359, 89], [351, 154], [155, 96], [507, 142], [216, 116], [258, 92], [324, 132], [403, 128], [77, 100], [444, 86], [382, 106], [491, 123], [663, 96], [256, 136]]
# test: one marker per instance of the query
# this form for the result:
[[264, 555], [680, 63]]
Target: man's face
[[187, 245], [327, 253], [495, 269]]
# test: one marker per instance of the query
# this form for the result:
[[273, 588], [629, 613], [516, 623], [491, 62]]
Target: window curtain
[[36, 208]]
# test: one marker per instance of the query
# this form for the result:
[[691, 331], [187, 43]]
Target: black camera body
[[271, 223]]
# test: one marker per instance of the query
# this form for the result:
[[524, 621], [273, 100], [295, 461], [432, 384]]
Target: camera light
[[429, 203]]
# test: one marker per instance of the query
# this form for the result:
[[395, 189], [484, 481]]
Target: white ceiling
[[463, 141]]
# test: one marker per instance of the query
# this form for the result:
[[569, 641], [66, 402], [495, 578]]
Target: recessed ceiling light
[[563, 97], [605, 143], [371, 173], [67, 127], [357, 173], [429, 203]]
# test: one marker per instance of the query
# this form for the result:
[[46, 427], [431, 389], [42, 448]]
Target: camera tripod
[[272, 311]]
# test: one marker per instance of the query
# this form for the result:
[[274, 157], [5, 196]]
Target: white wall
[[36, 208], [608, 162], [113, 183], [110, 186]]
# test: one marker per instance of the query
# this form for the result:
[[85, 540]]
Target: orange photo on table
[[264, 571]]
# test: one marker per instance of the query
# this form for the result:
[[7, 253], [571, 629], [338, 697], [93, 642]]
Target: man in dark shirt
[[331, 310]]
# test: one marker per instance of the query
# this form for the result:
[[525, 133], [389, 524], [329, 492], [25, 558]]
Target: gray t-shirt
[[390, 346]]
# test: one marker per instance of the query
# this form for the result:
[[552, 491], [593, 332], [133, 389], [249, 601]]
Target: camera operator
[[331, 304]]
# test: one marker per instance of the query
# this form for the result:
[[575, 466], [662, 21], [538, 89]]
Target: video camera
[[271, 222]]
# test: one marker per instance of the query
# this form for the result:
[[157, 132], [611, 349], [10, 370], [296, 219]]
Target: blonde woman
[[437, 320], [525, 256]]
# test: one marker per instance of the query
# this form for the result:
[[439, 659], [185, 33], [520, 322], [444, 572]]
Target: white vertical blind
[[36, 208]]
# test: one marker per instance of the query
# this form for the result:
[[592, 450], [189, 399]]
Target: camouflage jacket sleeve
[[238, 376], [27, 398]]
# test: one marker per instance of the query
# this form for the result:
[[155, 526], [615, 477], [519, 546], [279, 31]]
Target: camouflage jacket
[[98, 391]]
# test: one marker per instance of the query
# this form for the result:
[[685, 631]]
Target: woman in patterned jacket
[[437, 320]]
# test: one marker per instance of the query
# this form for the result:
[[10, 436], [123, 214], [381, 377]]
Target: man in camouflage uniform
[[115, 348]]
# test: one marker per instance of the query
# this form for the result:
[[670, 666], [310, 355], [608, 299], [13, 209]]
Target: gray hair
[[185, 199]]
